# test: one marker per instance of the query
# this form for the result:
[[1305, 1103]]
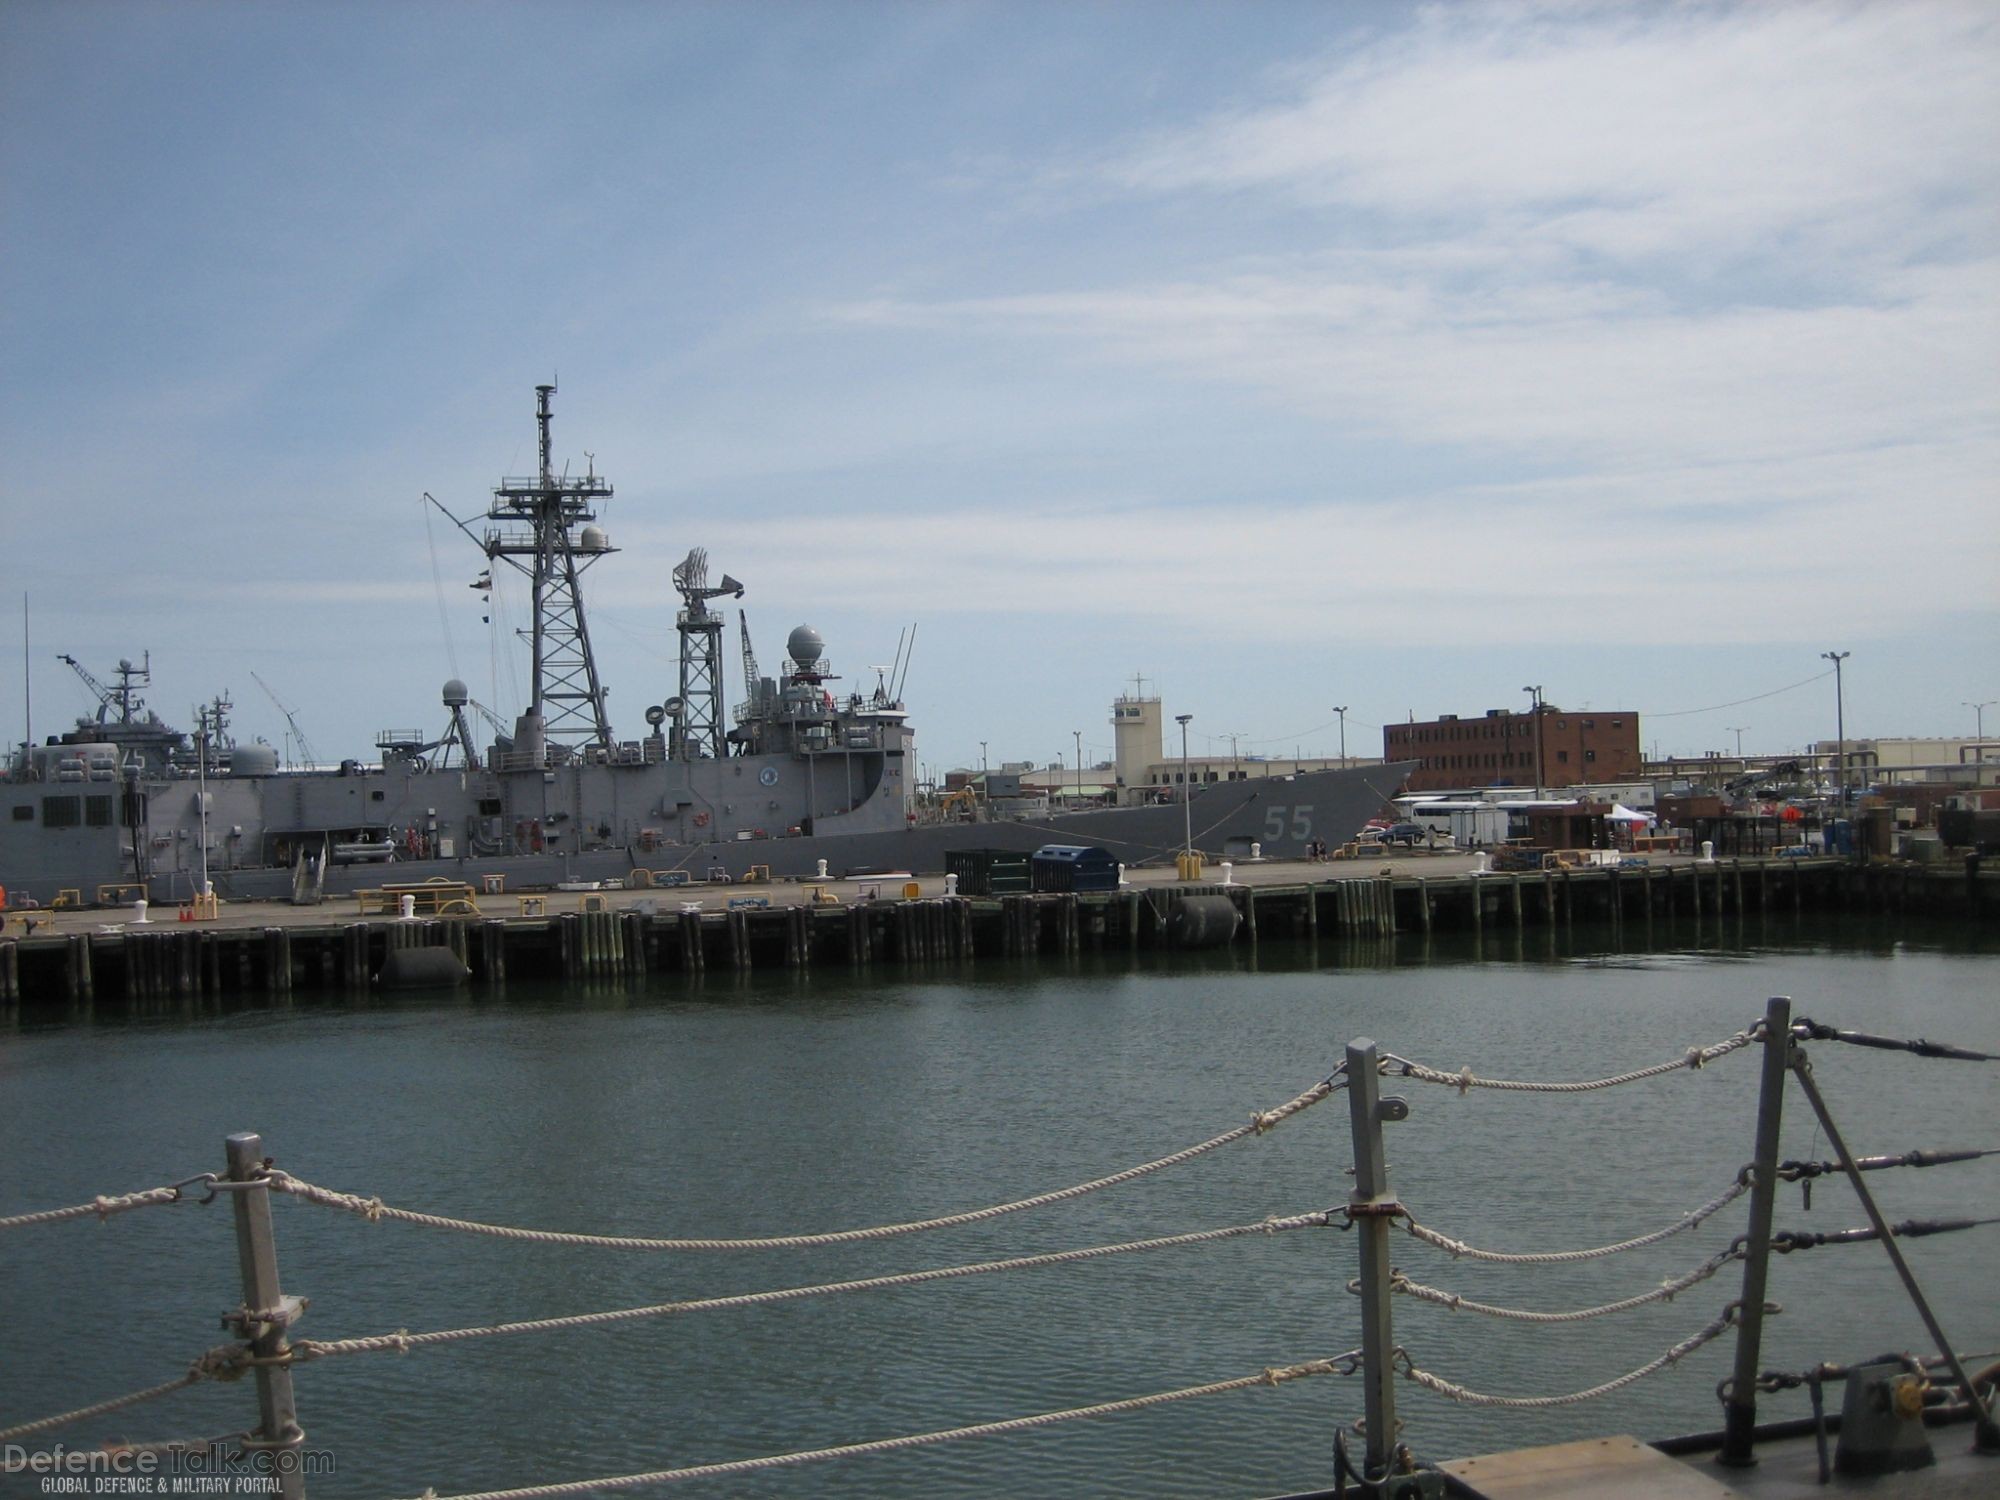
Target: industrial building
[[1547, 746]]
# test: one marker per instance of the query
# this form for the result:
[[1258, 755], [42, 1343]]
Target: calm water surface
[[774, 1105]]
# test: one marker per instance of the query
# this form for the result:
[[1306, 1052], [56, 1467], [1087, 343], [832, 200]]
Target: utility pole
[[1187, 789], [1341, 709], [1840, 726], [1535, 693], [1079, 763]]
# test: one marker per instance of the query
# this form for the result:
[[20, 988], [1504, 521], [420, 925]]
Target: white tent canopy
[[1620, 813]]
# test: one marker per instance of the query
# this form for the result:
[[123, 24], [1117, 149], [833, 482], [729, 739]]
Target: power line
[[1681, 713]]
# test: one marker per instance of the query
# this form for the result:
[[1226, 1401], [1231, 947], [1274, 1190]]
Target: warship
[[797, 779]]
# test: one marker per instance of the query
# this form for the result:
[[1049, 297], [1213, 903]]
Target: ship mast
[[700, 700], [542, 531]]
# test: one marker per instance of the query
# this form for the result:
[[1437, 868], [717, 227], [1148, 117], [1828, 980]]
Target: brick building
[[1502, 748]]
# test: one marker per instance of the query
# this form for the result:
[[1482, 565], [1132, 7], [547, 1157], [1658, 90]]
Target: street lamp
[[1341, 709], [1079, 763], [1737, 730], [1187, 789], [1839, 725], [1979, 711], [1535, 693], [982, 757]]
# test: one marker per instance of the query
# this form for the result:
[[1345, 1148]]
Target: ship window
[[24, 812], [61, 812], [376, 795], [489, 807], [97, 811]]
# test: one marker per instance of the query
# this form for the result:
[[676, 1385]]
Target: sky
[[1277, 355]]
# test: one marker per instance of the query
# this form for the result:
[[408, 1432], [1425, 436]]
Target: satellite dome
[[805, 646], [252, 760], [594, 539], [455, 694]]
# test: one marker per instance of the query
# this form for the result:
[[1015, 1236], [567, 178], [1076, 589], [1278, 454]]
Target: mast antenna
[[541, 528]]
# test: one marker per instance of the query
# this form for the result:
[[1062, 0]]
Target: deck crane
[[298, 734]]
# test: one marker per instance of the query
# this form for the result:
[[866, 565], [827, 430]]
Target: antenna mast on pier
[[543, 531]]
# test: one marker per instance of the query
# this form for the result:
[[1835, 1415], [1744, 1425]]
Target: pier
[[274, 948]]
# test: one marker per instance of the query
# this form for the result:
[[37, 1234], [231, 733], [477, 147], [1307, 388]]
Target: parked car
[[1407, 834]]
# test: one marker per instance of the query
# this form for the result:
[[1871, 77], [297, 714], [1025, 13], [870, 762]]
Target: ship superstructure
[[797, 778]]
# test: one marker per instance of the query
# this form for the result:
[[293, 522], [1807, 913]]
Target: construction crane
[[751, 676], [102, 693], [298, 734]]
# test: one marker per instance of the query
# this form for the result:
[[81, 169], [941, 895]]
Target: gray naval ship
[[798, 779]]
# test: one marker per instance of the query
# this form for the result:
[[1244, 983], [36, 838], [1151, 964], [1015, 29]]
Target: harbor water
[[783, 1103]]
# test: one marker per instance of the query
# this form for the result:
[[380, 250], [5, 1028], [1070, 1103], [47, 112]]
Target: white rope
[[1340, 1365], [1465, 1078], [374, 1209], [1665, 1292], [402, 1341], [99, 1208], [1457, 1392], [1456, 1248], [217, 1364]]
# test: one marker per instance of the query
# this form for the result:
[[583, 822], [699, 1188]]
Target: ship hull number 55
[[1299, 828]]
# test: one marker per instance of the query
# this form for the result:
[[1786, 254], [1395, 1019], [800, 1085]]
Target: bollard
[[821, 875], [1228, 873], [140, 919], [1708, 851], [408, 904], [951, 885]]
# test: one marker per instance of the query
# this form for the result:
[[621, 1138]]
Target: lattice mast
[[566, 700], [699, 732]]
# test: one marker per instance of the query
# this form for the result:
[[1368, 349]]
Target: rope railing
[[103, 1206], [229, 1361], [375, 1210], [1453, 1391], [1342, 1364], [402, 1342], [1464, 1079], [1665, 1292], [1690, 1220], [224, 1362]]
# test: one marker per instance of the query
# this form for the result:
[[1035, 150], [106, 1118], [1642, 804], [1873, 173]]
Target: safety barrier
[[264, 1324]]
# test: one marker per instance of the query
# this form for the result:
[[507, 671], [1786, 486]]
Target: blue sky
[[1289, 354]]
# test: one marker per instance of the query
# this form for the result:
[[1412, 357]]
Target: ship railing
[[265, 1346]]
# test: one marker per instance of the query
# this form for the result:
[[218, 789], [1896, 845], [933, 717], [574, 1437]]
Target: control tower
[[1136, 740]]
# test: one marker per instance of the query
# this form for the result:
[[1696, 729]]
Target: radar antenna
[[698, 729]]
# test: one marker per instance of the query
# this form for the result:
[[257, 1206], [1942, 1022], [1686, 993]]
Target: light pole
[[1737, 730], [982, 757], [1187, 789], [1079, 763], [1839, 726], [1535, 694], [1979, 712], [1341, 709]]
